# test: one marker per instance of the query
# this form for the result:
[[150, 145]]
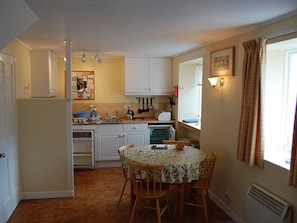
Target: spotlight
[[84, 59], [98, 58]]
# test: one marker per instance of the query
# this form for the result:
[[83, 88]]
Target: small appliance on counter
[[163, 116]]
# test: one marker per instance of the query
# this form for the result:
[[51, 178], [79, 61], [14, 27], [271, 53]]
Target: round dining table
[[181, 166]]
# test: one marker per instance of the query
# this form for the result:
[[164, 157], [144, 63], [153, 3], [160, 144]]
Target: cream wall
[[23, 68], [220, 124], [109, 87]]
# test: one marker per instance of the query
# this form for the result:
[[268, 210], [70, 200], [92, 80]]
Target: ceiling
[[145, 28]]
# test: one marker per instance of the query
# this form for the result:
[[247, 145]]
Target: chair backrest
[[206, 170], [146, 179], [179, 144], [121, 151]]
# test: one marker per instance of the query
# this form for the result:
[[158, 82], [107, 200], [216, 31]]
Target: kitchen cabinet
[[148, 76], [43, 73], [136, 134], [112, 136]]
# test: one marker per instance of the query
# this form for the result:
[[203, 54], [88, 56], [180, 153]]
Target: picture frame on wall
[[222, 62], [83, 85]]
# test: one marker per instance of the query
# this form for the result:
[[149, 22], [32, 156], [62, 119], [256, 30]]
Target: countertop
[[122, 120]]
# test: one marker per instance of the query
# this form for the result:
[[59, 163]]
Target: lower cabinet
[[136, 134], [112, 136]]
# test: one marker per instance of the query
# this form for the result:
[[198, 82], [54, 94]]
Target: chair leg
[[204, 195], [123, 190], [132, 215], [158, 210]]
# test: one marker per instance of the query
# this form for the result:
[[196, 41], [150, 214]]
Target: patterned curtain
[[249, 147], [293, 165]]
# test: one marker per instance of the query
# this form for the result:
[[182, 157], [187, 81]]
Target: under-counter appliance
[[83, 148], [161, 131]]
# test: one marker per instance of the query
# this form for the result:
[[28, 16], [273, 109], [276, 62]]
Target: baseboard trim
[[47, 194], [225, 208]]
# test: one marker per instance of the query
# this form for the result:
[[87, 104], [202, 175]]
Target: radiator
[[263, 206]]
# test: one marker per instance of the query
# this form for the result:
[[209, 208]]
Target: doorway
[[9, 168]]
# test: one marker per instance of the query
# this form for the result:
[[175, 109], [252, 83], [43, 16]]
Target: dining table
[[180, 166]]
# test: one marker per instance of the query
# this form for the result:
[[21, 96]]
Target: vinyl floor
[[95, 201]]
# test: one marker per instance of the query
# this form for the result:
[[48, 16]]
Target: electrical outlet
[[126, 106], [228, 195]]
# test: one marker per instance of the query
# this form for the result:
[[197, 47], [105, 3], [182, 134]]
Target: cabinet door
[[110, 138], [138, 139], [160, 76], [43, 73], [136, 76], [136, 134]]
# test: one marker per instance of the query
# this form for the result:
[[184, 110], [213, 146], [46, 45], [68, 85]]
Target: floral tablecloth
[[181, 166]]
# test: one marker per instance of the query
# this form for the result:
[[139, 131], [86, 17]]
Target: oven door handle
[[159, 126]]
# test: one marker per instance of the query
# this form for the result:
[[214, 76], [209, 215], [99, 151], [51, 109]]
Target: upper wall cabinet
[[148, 76], [43, 73]]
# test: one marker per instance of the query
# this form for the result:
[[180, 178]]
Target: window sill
[[191, 126], [280, 159]]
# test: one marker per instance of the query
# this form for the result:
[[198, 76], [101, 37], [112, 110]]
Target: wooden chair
[[198, 189], [147, 185], [179, 144], [126, 174]]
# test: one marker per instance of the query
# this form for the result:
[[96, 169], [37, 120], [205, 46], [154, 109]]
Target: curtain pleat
[[249, 147], [293, 164]]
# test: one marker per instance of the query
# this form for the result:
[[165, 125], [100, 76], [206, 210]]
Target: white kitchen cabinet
[[43, 73], [148, 76], [136, 134], [110, 138]]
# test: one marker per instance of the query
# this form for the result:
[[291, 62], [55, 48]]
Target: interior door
[[9, 180]]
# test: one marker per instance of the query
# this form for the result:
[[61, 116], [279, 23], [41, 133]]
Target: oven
[[160, 132], [83, 148]]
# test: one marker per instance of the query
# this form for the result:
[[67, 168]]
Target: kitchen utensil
[[143, 110], [151, 105], [139, 105], [147, 105]]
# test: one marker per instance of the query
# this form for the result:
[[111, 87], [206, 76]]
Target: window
[[190, 92], [280, 91]]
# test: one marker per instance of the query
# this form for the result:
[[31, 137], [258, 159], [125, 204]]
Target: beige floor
[[96, 195]]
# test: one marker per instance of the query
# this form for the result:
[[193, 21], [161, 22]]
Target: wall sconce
[[215, 81], [84, 59], [98, 58]]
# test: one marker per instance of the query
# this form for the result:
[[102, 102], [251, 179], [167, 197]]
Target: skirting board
[[47, 194], [225, 208]]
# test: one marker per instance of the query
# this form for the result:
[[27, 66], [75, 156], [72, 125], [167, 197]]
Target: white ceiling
[[149, 28]]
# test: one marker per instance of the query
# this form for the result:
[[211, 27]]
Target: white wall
[[220, 124]]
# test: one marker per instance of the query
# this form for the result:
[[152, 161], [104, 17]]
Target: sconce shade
[[213, 81]]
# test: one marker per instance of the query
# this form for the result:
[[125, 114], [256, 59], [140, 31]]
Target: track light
[[84, 59], [98, 58]]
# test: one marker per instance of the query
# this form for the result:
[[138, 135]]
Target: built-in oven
[[160, 132], [83, 148]]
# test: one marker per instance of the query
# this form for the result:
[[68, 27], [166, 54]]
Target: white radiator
[[262, 206]]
